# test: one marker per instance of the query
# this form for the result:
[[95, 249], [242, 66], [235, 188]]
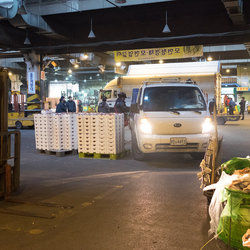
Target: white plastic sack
[[215, 208]]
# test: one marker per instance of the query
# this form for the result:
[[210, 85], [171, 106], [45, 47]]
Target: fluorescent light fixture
[[166, 28], [91, 34]]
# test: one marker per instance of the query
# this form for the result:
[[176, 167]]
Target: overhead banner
[[159, 53], [31, 82], [242, 89]]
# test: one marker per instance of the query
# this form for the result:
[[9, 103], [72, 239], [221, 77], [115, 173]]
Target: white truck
[[205, 74], [170, 117]]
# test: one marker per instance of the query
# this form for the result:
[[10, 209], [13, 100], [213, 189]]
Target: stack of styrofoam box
[[58, 128], [100, 133], [44, 131], [56, 131], [79, 119], [70, 131], [115, 133]]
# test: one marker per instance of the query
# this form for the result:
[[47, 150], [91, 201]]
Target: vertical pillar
[[3, 126], [32, 61]]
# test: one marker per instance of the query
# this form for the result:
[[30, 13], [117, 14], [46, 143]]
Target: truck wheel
[[198, 156], [19, 125], [220, 121], [136, 152]]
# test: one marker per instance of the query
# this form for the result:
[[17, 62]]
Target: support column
[[32, 61], [3, 126]]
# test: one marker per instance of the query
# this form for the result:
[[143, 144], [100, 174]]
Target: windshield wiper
[[196, 111], [175, 112]]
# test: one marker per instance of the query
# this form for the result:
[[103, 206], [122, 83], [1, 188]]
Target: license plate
[[178, 141]]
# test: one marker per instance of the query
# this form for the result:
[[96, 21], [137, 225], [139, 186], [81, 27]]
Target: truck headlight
[[207, 125], [145, 126]]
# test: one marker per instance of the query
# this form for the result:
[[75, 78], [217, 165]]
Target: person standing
[[61, 106], [242, 107], [79, 106], [71, 105], [120, 105], [211, 107], [103, 106], [231, 106]]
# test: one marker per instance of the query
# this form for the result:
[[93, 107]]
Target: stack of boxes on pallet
[[100, 133], [44, 131], [56, 131]]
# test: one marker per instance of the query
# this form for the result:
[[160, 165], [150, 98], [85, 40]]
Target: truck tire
[[18, 125], [220, 120], [136, 152], [198, 156]]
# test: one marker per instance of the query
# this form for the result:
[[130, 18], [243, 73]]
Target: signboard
[[242, 89], [43, 75], [31, 82], [159, 53]]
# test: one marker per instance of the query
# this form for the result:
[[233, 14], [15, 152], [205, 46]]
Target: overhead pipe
[[9, 13]]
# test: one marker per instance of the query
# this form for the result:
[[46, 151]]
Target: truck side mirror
[[134, 109]]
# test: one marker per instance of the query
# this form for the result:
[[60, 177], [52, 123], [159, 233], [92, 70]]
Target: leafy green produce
[[235, 163]]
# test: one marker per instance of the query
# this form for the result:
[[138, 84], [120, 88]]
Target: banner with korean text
[[31, 82], [159, 53]]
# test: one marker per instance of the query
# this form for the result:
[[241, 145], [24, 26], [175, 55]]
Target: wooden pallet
[[105, 156], [58, 153]]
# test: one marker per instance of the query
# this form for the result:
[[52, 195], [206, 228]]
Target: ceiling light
[[9, 73], [166, 28], [76, 65], [70, 75], [22, 10], [66, 78], [85, 56], [209, 58], [69, 71], [118, 64], [227, 70], [161, 61], [27, 41], [91, 34]]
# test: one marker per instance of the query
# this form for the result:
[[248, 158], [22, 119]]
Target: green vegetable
[[235, 163]]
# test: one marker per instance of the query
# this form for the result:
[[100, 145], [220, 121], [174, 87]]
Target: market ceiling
[[56, 27]]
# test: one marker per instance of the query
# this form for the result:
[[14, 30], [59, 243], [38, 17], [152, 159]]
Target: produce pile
[[243, 181]]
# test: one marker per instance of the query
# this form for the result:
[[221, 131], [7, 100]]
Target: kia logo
[[177, 125]]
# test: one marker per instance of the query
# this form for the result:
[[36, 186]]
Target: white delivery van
[[170, 117]]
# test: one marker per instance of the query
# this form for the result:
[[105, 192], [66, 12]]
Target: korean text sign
[[31, 83], [159, 53]]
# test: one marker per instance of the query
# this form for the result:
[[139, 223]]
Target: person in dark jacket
[[242, 107], [231, 106], [71, 105], [211, 107], [103, 106], [120, 105], [61, 106]]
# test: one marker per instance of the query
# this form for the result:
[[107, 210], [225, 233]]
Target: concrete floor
[[122, 204]]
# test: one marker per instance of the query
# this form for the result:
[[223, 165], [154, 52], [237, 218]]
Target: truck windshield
[[173, 98], [106, 93]]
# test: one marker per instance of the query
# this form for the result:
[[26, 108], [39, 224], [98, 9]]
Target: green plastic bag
[[235, 218]]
